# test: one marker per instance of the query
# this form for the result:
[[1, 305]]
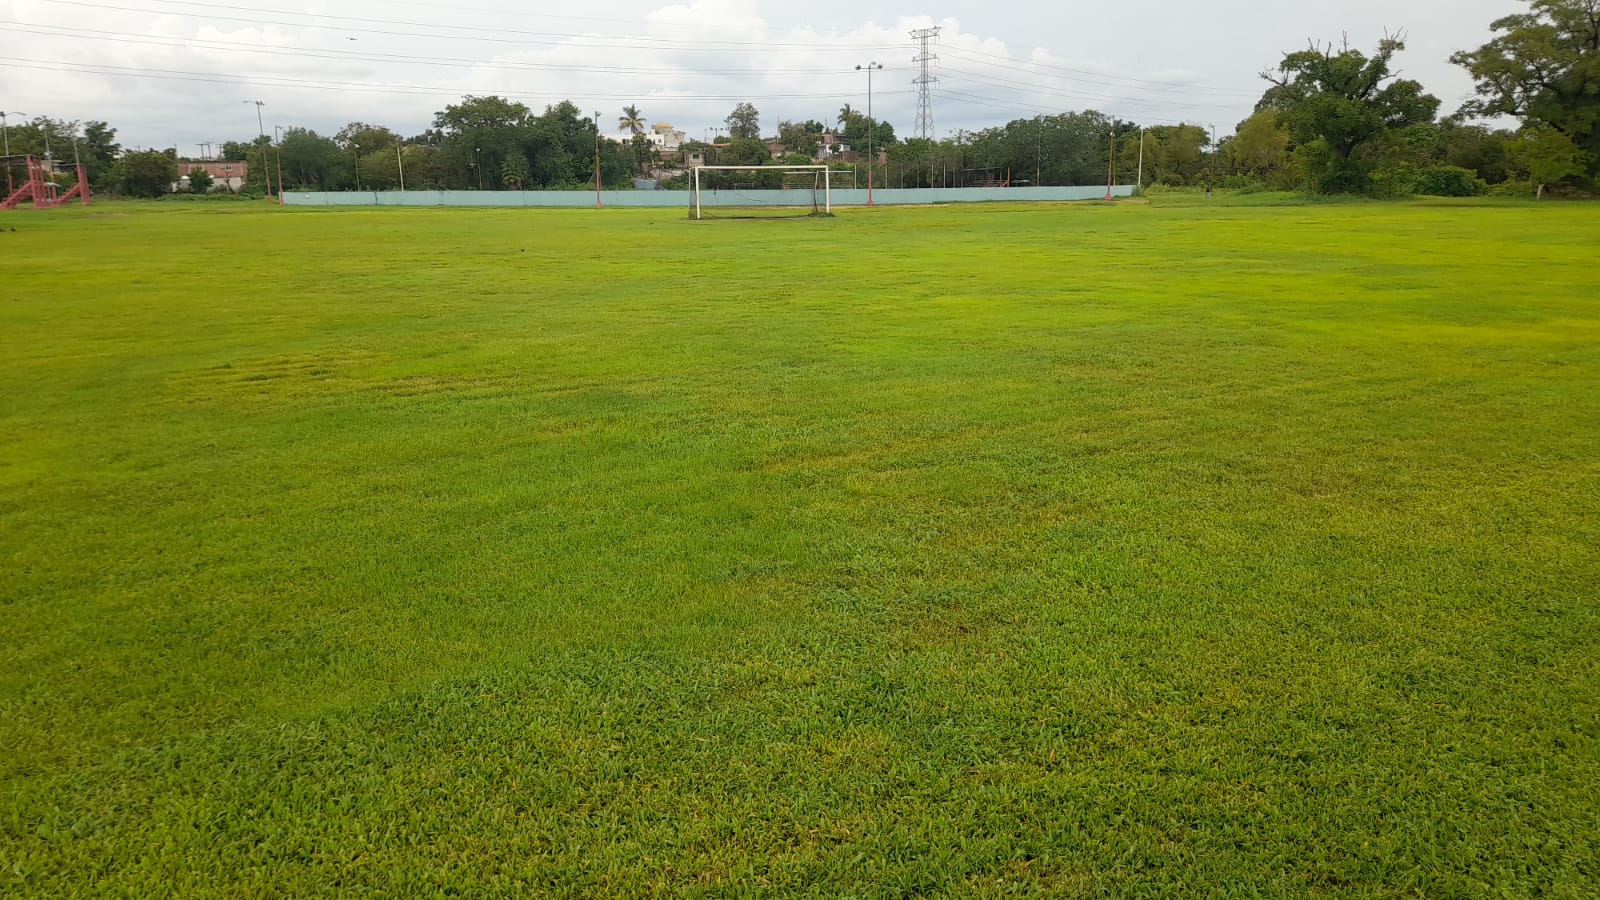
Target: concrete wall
[[680, 199]]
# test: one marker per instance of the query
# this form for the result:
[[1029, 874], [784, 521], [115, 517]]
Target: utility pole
[[924, 81], [872, 160], [399, 158], [479, 165], [1141, 158], [277, 135], [355, 151], [5, 130], [262, 128], [597, 159], [1111, 160], [1038, 150]]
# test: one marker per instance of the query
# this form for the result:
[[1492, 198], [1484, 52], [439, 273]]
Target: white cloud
[[166, 72]]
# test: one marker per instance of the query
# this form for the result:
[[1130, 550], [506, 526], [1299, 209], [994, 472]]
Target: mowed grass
[[1118, 550]]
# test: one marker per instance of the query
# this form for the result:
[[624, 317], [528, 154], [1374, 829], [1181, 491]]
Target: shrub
[[1244, 184], [1522, 189], [1448, 181]]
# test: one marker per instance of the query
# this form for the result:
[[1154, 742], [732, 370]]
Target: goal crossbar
[[824, 171]]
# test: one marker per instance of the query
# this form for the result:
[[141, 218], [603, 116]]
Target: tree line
[[1332, 119]]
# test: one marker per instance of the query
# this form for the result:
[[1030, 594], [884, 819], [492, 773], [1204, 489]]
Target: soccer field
[[1133, 550]]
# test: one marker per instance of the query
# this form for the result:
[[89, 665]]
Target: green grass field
[[1139, 550]]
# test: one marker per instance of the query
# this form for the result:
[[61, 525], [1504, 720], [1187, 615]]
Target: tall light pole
[[355, 151], [871, 126], [6, 131], [479, 165], [262, 128], [1111, 160], [277, 135], [597, 159], [1141, 158]]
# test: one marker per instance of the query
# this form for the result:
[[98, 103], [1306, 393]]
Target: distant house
[[832, 145], [224, 173], [661, 135], [665, 137], [776, 149]]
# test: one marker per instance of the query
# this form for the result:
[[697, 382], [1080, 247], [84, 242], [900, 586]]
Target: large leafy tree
[[371, 138], [744, 121], [1067, 148], [478, 134], [146, 173], [800, 137], [99, 149], [313, 161], [1260, 145], [1342, 108], [200, 181], [856, 128], [1547, 156], [1543, 66], [1475, 147]]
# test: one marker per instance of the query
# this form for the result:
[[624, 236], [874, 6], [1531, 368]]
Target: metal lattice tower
[[924, 81]]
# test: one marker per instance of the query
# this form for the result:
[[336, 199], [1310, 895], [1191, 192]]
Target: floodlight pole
[[871, 126], [277, 134], [1111, 159], [261, 127], [400, 160], [1141, 158], [597, 159], [355, 152], [6, 131]]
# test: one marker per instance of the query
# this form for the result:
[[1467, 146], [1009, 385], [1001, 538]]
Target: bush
[[215, 197], [1522, 189], [1448, 181], [1244, 184]]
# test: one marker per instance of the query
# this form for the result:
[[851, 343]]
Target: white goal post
[[821, 184]]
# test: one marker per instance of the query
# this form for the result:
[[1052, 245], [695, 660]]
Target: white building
[[662, 136], [665, 137]]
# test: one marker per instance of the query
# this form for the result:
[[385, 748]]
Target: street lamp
[[278, 132], [262, 129], [6, 131], [355, 150], [479, 165], [871, 126]]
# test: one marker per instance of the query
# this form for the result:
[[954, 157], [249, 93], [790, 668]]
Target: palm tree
[[845, 112], [630, 120]]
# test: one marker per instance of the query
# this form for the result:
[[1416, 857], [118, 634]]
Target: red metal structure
[[44, 193]]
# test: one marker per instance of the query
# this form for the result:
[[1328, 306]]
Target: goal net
[[759, 192]]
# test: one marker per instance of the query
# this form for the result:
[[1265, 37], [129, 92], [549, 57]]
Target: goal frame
[[827, 181]]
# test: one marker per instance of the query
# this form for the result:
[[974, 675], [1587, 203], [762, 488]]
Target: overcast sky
[[176, 71]]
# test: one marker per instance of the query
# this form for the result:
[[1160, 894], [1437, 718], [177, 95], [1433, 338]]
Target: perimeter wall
[[680, 199]]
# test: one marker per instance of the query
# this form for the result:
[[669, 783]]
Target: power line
[[1089, 75], [317, 53], [473, 33], [417, 90], [1160, 103]]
